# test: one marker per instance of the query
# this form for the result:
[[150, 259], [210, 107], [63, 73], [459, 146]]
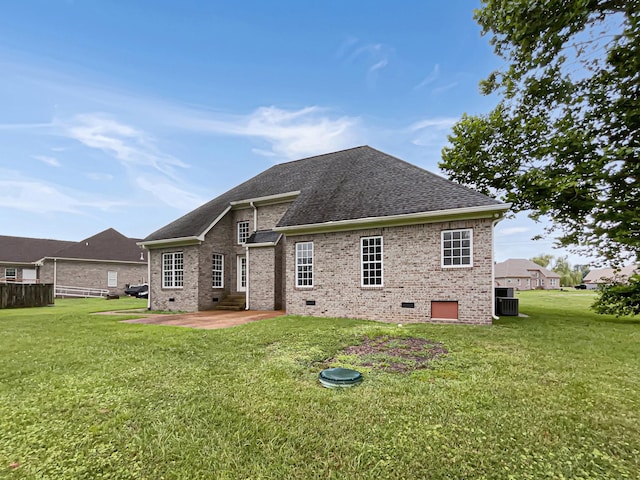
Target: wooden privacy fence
[[14, 295]]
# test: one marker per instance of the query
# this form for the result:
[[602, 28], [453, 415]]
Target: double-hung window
[[457, 248], [173, 270], [371, 261], [304, 264], [218, 270], [10, 273], [243, 232]]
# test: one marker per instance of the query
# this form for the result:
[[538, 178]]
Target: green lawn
[[554, 395]]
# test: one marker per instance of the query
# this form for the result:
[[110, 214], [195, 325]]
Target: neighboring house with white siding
[[106, 261], [356, 233], [523, 274]]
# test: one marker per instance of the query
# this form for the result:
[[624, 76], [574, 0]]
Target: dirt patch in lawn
[[393, 354]]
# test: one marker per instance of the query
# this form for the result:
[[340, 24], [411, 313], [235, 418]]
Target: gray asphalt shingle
[[357, 183]]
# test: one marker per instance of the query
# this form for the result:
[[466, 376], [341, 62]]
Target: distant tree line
[[569, 275]]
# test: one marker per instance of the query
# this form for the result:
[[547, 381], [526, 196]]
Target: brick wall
[[270, 215], [262, 287], [412, 274], [175, 299], [220, 239], [85, 274]]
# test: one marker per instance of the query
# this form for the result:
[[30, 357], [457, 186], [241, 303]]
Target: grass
[[554, 395]]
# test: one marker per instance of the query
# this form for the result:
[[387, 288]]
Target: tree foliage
[[544, 259], [619, 298], [569, 276], [564, 139]]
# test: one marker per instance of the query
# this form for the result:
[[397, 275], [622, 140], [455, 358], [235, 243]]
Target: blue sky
[[128, 114]]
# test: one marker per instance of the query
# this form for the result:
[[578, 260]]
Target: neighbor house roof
[[28, 250], [520, 267], [605, 275], [108, 245], [351, 184]]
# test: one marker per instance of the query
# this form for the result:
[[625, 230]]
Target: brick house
[[107, 261], [605, 276], [523, 274], [356, 233]]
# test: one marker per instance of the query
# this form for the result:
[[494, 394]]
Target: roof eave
[[98, 260], [466, 213], [266, 200], [171, 242]]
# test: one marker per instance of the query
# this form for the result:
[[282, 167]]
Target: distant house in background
[[523, 274], [106, 262], [604, 276]]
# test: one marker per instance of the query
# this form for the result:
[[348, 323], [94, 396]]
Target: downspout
[[255, 229], [55, 276], [255, 217], [247, 286], [493, 268], [148, 279]]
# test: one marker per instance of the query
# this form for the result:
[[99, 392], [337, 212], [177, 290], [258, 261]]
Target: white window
[[371, 261], [243, 232], [218, 270], [304, 264], [172, 270], [112, 279], [457, 248], [10, 273]]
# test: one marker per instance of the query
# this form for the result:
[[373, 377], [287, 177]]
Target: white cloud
[[48, 160], [431, 132], [169, 193], [131, 146], [34, 195], [504, 232], [444, 88], [432, 77], [375, 55], [291, 133], [100, 177]]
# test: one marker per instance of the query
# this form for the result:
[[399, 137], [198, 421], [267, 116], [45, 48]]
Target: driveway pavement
[[208, 319]]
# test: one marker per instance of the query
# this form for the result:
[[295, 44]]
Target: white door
[[242, 273], [29, 275]]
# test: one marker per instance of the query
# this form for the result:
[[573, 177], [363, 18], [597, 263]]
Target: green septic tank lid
[[339, 377]]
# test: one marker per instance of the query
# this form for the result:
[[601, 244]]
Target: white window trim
[[466, 265], [298, 278], [381, 284], [112, 275], [221, 271], [238, 239], [173, 270], [15, 273]]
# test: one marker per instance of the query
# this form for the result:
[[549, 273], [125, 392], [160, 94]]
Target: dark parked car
[[134, 290], [144, 293], [582, 286]]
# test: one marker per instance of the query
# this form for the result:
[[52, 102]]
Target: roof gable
[[106, 245], [351, 184]]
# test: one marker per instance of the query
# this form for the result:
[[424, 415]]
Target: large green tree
[[563, 140]]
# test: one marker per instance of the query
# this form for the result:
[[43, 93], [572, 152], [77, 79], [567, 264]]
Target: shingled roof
[[28, 250], [520, 267], [350, 184], [107, 245]]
